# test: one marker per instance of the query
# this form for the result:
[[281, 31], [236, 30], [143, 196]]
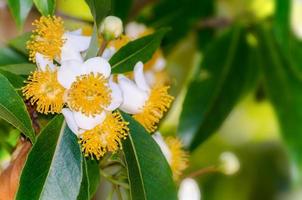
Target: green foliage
[[20, 10], [19, 43], [53, 169], [13, 109], [19, 69], [141, 49], [45, 7], [99, 9], [122, 8], [94, 44], [9, 56], [149, 174]]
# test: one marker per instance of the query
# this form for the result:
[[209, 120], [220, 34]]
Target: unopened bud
[[229, 163], [112, 27]]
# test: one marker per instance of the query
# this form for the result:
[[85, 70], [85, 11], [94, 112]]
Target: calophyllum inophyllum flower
[[51, 40], [146, 104], [43, 88]]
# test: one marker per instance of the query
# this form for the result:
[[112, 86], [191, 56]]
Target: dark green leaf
[[13, 109], [15, 80], [84, 190], [20, 10], [19, 43], [19, 69], [53, 169], [121, 8], [99, 9], [94, 44], [149, 173], [141, 49], [9, 56], [223, 79], [284, 89], [45, 7]]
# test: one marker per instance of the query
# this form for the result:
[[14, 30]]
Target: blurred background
[[253, 134]]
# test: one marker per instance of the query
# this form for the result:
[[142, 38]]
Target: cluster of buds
[[89, 96]]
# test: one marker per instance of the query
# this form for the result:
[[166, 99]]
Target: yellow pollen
[[45, 91], [179, 158], [46, 38], [105, 137], [89, 94], [155, 107]]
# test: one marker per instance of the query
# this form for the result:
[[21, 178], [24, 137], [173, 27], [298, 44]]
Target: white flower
[[43, 63], [189, 190], [229, 163], [163, 145], [134, 30], [93, 76], [112, 27]]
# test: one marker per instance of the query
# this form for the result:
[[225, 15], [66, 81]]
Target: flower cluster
[[86, 92]]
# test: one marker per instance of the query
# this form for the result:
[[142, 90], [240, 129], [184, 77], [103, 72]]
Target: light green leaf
[[9, 56], [19, 69], [53, 169], [13, 109], [99, 9], [149, 173], [224, 78], [93, 48], [141, 49], [20, 10], [19, 43], [46, 7]]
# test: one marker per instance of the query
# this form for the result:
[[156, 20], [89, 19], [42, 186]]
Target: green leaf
[[84, 190], [141, 49], [20, 10], [283, 86], [15, 80], [224, 78], [99, 9], [149, 173], [9, 56], [93, 48], [19, 43], [122, 8], [46, 7], [19, 69], [53, 169], [13, 109]]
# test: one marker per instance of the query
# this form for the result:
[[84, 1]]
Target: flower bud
[[112, 27], [189, 190], [229, 163]]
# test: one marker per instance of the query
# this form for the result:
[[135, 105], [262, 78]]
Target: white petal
[[133, 98], [42, 62], [68, 114], [97, 65], [76, 32], [68, 53], [88, 122], [108, 53], [159, 64], [150, 77], [163, 146], [68, 72], [189, 190], [139, 77], [76, 42], [116, 96], [134, 29]]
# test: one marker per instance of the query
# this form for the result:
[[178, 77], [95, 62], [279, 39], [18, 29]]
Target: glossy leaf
[[10, 56], [19, 69], [223, 79], [13, 109], [99, 9], [19, 43], [20, 10], [141, 49], [53, 169], [149, 173], [94, 44], [283, 86], [45, 7], [122, 8], [15, 80], [84, 190]]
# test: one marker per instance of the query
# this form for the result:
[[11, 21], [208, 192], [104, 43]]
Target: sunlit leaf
[[99, 9], [45, 7], [20, 10]]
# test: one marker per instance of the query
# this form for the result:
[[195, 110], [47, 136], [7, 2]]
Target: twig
[[34, 116], [213, 23], [203, 171], [102, 47]]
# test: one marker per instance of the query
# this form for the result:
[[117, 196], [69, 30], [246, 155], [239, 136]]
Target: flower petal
[[150, 77], [42, 62], [160, 64], [133, 98], [189, 190], [97, 65], [108, 53], [68, 53], [68, 72], [163, 146], [116, 96], [134, 29], [139, 77], [69, 118], [88, 122], [76, 42]]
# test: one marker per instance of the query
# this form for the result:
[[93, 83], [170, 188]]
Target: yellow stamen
[[44, 90], [105, 137], [47, 38], [89, 94], [179, 158], [119, 42], [155, 107]]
